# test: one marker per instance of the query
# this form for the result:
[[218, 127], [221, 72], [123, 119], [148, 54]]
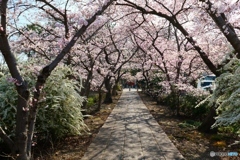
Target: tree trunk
[[176, 107], [178, 103], [20, 143], [99, 99], [108, 98], [86, 90], [21, 146], [208, 122]]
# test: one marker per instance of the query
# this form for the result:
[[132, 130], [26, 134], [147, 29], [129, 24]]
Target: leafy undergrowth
[[73, 148], [182, 131]]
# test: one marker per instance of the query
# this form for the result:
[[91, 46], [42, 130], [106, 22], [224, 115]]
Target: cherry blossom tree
[[146, 69], [26, 110], [119, 52], [85, 60], [191, 20], [225, 14]]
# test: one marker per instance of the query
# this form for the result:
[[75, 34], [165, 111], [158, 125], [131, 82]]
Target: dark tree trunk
[[21, 138], [20, 143], [86, 90], [208, 122], [108, 98], [178, 104], [176, 107], [99, 99]]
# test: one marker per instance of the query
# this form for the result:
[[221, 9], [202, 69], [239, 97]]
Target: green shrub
[[90, 101], [64, 101], [234, 128], [59, 112], [8, 99], [188, 103], [168, 100]]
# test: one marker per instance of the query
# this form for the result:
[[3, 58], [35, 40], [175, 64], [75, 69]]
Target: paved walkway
[[131, 133]]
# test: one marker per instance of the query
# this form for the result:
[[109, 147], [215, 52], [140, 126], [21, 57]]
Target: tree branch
[[225, 27], [6, 139]]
